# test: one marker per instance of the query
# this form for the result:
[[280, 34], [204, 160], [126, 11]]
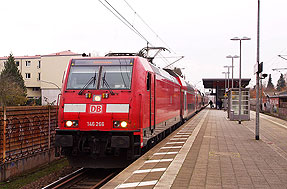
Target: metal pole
[[216, 95], [224, 82], [52, 84], [239, 114], [232, 74], [4, 132], [224, 104], [257, 75], [49, 132], [228, 78]]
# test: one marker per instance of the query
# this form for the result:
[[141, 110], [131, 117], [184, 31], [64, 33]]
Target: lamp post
[[224, 80], [225, 89], [240, 39], [226, 105], [257, 74], [232, 57], [227, 75], [49, 82]]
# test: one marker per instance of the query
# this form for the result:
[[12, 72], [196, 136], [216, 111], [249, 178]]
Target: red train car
[[113, 107], [188, 97]]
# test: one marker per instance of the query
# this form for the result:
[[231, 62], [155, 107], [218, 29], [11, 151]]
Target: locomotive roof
[[181, 79], [105, 57], [155, 69]]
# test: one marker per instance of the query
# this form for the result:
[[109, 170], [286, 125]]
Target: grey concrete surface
[[209, 151]]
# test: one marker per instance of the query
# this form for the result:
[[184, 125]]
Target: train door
[[185, 104], [153, 101], [151, 94], [181, 103], [195, 101]]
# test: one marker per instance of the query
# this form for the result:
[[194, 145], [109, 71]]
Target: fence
[[26, 131], [280, 112]]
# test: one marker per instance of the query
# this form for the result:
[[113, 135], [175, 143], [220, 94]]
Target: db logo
[[96, 108]]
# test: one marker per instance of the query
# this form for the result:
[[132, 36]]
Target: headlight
[[72, 123], [97, 98], [124, 124], [116, 123], [69, 123]]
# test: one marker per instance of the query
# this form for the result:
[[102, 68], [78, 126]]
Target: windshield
[[116, 77], [112, 77], [80, 75]]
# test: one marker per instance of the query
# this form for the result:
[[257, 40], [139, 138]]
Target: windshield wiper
[[88, 83], [107, 84]]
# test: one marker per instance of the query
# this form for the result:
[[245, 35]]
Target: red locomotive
[[113, 107]]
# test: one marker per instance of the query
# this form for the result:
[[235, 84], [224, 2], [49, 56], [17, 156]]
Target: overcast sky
[[200, 30]]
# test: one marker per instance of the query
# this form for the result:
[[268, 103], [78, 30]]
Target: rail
[[84, 178], [65, 179]]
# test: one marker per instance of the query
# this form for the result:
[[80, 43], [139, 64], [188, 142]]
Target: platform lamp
[[227, 75], [224, 80], [232, 57], [240, 39], [49, 82]]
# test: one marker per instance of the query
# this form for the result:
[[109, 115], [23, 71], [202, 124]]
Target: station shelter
[[218, 87]]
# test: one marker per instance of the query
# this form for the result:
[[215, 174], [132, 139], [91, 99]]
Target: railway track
[[84, 178]]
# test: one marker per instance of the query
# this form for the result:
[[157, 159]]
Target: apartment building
[[43, 73]]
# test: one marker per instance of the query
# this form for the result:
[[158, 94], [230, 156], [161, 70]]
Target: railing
[[26, 131], [282, 104], [268, 108]]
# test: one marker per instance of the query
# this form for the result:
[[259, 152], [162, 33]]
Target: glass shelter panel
[[233, 111]]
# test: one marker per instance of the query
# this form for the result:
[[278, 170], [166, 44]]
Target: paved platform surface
[[209, 151]]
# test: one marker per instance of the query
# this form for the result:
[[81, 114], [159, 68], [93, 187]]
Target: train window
[[79, 76], [148, 81], [116, 77]]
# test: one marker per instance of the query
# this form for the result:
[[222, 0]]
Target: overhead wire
[[131, 26], [171, 57], [149, 27], [164, 59], [117, 17], [124, 21], [273, 60], [271, 63], [135, 12]]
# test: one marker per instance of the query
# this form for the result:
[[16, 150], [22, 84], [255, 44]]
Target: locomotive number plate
[[96, 124], [96, 108]]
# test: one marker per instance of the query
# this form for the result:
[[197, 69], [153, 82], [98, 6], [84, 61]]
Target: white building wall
[[51, 70], [50, 96], [33, 70]]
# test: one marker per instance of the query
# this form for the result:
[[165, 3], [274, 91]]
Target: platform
[[209, 151]]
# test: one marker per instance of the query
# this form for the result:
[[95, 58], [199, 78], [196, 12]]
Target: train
[[114, 107]]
